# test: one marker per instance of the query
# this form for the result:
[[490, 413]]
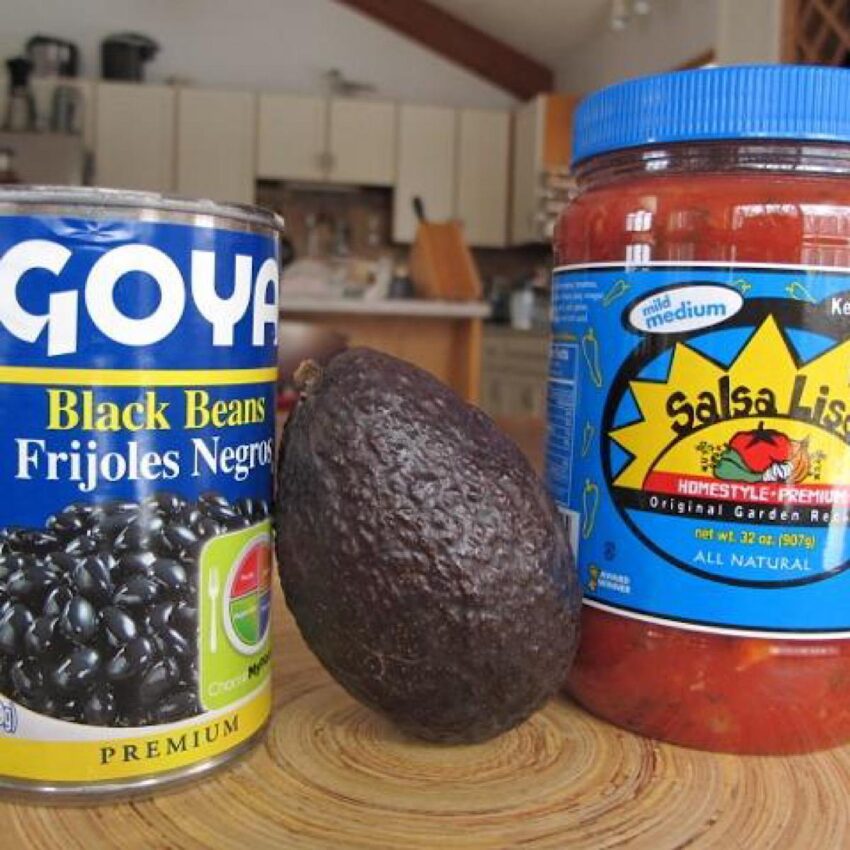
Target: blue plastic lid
[[736, 102]]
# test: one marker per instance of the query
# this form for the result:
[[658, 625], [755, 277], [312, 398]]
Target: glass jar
[[699, 406]]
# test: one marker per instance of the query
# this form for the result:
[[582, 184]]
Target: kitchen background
[[338, 113]]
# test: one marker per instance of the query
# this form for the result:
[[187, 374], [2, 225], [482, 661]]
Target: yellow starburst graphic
[[704, 404]]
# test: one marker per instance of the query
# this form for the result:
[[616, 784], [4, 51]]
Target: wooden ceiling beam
[[461, 43]]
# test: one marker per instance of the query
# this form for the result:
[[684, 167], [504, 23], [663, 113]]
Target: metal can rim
[[96, 197]]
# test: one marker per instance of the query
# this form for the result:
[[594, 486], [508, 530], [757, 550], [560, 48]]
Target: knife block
[[441, 264]]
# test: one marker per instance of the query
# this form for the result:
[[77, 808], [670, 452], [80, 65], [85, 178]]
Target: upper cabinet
[[542, 147], [134, 136], [311, 138], [426, 166], [362, 142], [216, 142], [292, 137], [482, 175]]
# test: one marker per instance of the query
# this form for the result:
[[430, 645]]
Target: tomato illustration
[[761, 448]]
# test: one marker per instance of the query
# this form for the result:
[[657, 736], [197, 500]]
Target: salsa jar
[[699, 405]]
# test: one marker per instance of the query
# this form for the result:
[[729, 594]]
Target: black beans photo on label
[[118, 627], [42, 636], [78, 621], [93, 579], [78, 669], [99, 609]]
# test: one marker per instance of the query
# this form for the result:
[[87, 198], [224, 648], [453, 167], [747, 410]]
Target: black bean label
[[136, 453]]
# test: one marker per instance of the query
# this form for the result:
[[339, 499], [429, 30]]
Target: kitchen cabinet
[[361, 142], [426, 166], [291, 137], [311, 138], [542, 147], [216, 142], [514, 369], [482, 175], [134, 136]]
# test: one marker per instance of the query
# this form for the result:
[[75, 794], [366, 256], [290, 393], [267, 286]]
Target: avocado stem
[[307, 377]]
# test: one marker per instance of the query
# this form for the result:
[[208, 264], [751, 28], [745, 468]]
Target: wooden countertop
[[416, 307], [331, 774]]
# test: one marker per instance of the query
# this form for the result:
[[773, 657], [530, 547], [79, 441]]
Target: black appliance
[[20, 105], [53, 57], [123, 56]]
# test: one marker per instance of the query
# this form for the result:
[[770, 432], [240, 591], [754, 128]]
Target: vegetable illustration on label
[[590, 350], [587, 438], [590, 503], [617, 290], [798, 292], [764, 454]]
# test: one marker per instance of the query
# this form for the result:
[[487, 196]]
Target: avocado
[[423, 561]]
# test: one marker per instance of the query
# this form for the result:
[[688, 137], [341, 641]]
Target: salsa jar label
[[699, 443], [137, 384]]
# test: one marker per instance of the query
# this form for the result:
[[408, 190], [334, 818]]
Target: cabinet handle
[[326, 162]]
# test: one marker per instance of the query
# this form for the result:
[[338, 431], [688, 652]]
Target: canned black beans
[[137, 397]]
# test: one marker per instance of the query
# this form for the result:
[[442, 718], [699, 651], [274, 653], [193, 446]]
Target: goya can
[[138, 352], [699, 405]]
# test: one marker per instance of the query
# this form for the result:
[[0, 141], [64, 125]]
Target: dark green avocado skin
[[423, 561]]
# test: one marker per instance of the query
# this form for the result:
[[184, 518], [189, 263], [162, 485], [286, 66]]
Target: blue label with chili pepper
[[699, 443]]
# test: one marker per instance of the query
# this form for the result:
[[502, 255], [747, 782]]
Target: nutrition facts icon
[[247, 598]]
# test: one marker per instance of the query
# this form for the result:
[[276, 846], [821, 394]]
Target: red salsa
[[735, 210]]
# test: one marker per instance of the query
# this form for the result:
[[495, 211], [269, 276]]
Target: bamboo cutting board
[[333, 775]]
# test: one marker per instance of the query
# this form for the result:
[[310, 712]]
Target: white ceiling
[[543, 29]]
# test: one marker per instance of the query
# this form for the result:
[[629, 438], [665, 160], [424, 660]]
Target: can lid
[[734, 102], [97, 200]]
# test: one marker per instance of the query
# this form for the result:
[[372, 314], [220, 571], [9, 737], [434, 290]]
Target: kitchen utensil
[[522, 308], [20, 105], [401, 286], [123, 56], [66, 110], [53, 57], [441, 264]]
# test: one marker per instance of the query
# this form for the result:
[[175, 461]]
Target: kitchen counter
[[333, 775], [386, 307], [443, 337]]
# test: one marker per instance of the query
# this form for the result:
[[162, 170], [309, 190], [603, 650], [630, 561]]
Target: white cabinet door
[[216, 141], [291, 137], [482, 184], [362, 142], [134, 136], [527, 168], [426, 166]]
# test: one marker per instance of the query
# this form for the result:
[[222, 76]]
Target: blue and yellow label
[[699, 443], [138, 368], [134, 356]]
